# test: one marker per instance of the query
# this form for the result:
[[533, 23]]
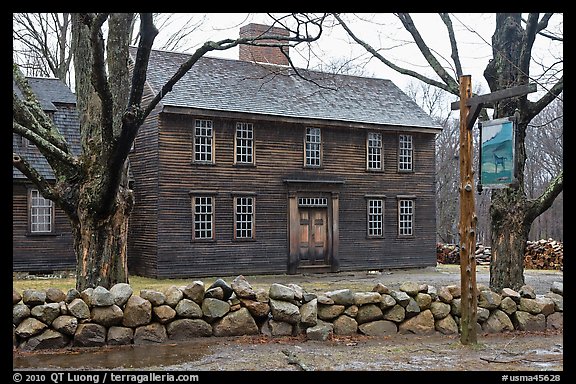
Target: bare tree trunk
[[101, 245], [509, 235]]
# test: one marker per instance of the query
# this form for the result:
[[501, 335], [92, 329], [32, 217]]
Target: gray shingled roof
[[240, 86], [53, 95]]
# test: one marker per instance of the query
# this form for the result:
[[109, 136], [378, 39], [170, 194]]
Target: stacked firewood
[[448, 253], [541, 254], [544, 254]]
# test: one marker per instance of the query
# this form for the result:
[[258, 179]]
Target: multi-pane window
[[374, 154], [375, 218], [405, 151], [405, 217], [244, 143], [244, 217], [203, 141], [203, 209], [313, 147], [41, 213]]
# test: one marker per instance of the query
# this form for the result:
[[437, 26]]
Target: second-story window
[[203, 142], [405, 152], [313, 147], [374, 151], [244, 149]]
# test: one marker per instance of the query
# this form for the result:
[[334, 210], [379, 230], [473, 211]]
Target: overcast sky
[[473, 34]]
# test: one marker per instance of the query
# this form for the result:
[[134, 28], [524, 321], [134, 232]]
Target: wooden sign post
[[468, 219], [470, 108]]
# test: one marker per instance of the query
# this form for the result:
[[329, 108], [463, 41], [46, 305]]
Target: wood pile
[[544, 254], [540, 254]]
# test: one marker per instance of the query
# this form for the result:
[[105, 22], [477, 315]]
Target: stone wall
[[97, 317]]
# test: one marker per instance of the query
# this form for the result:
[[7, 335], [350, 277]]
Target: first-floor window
[[405, 217], [375, 218], [203, 209], [41, 213], [244, 217]]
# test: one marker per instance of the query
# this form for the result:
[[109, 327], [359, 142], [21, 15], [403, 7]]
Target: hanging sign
[[497, 151]]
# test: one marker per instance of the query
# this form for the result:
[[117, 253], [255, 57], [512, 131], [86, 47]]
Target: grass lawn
[[136, 282]]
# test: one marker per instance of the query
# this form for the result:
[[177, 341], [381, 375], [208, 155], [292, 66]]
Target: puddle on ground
[[128, 356]]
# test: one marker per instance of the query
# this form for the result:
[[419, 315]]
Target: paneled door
[[313, 236]]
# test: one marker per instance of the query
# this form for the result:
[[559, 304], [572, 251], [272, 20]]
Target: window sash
[[244, 148], [375, 216], [203, 217], [203, 141], [313, 147], [244, 218], [41, 213], [405, 151], [405, 217], [374, 151]]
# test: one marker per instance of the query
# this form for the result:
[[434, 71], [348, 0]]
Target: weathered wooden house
[[247, 167], [41, 234]]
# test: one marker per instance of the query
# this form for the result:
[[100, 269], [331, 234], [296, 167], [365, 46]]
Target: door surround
[[313, 195]]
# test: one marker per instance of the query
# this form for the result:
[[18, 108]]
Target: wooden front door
[[313, 236]]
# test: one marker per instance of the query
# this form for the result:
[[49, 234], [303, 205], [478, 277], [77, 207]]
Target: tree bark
[[510, 229], [101, 244]]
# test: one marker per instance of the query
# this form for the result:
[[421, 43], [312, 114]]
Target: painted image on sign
[[497, 153]]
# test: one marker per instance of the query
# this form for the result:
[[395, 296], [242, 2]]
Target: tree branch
[[30, 113], [545, 200], [455, 57], [393, 66], [99, 78], [430, 58], [34, 176], [50, 151], [528, 43], [534, 108]]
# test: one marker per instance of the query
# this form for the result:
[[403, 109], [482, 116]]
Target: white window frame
[[313, 147], [244, 217], [40, 213], [406, 217], [374, 151], [244, 144], [203, 141], [405, 153], [375, 218], [203, 218]]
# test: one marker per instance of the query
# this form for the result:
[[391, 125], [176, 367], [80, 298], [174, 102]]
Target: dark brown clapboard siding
[[143, 226], [39, 253], [279, 155]]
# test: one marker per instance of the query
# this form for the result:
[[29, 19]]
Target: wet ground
[[515, 351]]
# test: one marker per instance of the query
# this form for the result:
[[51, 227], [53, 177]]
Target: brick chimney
[[268, 55]]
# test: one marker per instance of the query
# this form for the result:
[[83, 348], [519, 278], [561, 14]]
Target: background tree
[[41, 41], [511, 211], [41, 44], [92, 188]]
